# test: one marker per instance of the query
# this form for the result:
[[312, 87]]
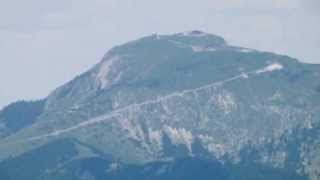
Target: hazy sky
[[46, 43]]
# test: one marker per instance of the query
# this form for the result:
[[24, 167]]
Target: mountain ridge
[[182, 95]]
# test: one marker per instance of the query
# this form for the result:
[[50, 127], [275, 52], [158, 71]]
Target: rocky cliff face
[[186, 95]]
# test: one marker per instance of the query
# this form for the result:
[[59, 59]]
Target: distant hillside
[[19, 115]]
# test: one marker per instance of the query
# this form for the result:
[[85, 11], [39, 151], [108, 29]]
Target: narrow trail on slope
[[108, 116]]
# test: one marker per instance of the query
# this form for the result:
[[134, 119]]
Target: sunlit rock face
[[185, 95]]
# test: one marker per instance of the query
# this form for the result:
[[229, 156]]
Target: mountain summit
[[185, 95]]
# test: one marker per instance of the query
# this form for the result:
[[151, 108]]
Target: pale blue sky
[[45, 43]]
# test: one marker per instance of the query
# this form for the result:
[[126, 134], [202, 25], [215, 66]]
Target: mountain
[[177, 99], [19, 115], [63, 152]]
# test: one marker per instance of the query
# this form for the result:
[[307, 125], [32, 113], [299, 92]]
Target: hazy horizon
[[46, 43]]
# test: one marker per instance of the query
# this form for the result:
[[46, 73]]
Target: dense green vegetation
[[58, 161], [34, 164], [21, 114]]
